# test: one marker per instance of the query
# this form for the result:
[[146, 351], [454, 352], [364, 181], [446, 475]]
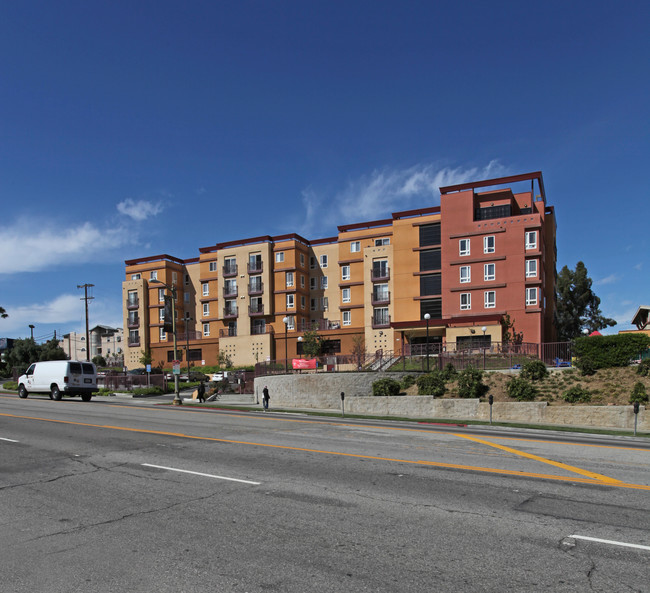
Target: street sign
[[176, 367]]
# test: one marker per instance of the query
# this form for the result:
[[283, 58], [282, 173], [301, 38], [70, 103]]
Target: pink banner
[[303, 363]]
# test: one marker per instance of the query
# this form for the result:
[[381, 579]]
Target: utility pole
[[86, 298]]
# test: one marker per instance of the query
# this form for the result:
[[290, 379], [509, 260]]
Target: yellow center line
[[571, 468]]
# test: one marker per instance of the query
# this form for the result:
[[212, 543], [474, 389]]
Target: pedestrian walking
[[265, 397], [201, 392]]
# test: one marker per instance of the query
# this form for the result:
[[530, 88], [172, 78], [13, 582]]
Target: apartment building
[[105, 341], [485, 252]]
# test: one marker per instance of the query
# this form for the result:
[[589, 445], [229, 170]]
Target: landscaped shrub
[[534, 370], [576, 395], [407, 381], [384, 387], [587, 366], [470, 383], [639, 394], [10, 385], [432, 384], [522, 389], [644, 367], [611, 351], [140, 391], [449, 372]]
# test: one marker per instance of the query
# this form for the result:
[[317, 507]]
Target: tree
[[3, 313], [146, 358], [26, 351], [577, 307], [312, 343], [510, 338], [359, 350]]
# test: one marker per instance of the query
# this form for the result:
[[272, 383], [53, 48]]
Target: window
[[347, 317], [312, 262], [302, 301], [355, 247], [291, 301], [324, 303], [279, 257], [531, 239], [430, 284], [135, 276], [161, 315], [302, 281], [323, 282], [489, 272], [345, 272], [162, 335], [291, 322], [312, 283], [289, 279], [463, 247], [312, 303], [531, 268], [206, 329], [430, 234], [187, 279], [213, 266], [205, 289], [465, 301], [465, 274], [154, 275], [490, 299], [187, 316], [174, 278], [186, 297], [161, 295], [430, 260], [302, 260], [431, 306], [346, 296], [229, 265], [531, 297], [488, 244], [380, 242], [206, 309], [323, 261]]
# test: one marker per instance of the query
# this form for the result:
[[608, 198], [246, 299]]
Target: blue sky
[[130, 129]]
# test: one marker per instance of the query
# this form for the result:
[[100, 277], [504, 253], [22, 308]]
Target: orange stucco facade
[[467, 263]]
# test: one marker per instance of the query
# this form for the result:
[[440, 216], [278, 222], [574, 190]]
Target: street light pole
[[427, 317], [286, 338], [31, 329], [187, 345]]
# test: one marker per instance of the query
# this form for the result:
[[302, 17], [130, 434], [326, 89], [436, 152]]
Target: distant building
[[483, 253], [104, 341], [6, 344]]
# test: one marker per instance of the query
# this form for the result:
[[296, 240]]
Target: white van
[[59, 378]]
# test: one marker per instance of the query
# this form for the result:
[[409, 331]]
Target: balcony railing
[[132, 303], [380, 321], [254, 310], [380, 274], [133, 323], [190, 335], [229, 332], [134, 342], [230, 313], [255, 267], [256, 288], [230, 292], [380, 298], [229, 271], [258, 330], [319, 325]]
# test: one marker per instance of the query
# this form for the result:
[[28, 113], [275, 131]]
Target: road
[[105, 496]]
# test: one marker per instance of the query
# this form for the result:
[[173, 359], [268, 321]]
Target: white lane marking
[[611, 542], [9, 440], [185, 471]]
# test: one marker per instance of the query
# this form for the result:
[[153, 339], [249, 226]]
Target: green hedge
[[611, 351], [386, 387]]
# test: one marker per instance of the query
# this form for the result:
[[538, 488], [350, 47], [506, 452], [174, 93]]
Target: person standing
[[265, 397], [201, 392]]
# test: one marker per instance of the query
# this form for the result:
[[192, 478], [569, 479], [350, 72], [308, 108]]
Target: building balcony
[[381, 298], [255, 267], [230, 313], [132, 303], [190, 335], [229, 271], [256, 310], [256, 288], [380, 274], [258, 330], [133, 323], [230, 292], [228, 332], [319, 325], [134, 342], [380, 321]]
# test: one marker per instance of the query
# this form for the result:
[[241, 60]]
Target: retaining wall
[[322, 391]]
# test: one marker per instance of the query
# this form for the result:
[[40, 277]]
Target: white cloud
[[638, 267], [377, 195], [140, 210], [611, 279], [30, 246]]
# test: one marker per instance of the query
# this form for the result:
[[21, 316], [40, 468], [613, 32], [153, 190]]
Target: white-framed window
[[346, 295], [490, 299], [302, 260], [213, 266], [161, 295], [465, 274], [312, 263], [323, 282], [302, 281], [161, 315], [289, 279], [488, 244], [463, 247], [312, 283], [153, 275], [291, 302], [206, 329], [345, 272], [162, 335], [531, 268], [279, 257], [489, 272], [135, 276], [323, 261], [206, 309], [291, 322], [531, 297], [355, 247], [465, 301], [303, 301], [324, 303], [347, 317], [531, 239], [205, 289], [312, 304], [383, 241]]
